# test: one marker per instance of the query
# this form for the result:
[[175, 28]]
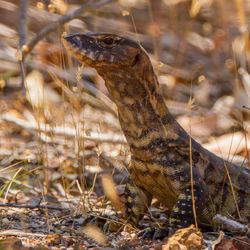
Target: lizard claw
[[160, 233], [154, 233]]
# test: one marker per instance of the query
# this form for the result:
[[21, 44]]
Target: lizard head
[[106, 52]]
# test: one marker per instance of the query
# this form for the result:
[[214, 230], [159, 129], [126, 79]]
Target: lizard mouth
[[74, 45]]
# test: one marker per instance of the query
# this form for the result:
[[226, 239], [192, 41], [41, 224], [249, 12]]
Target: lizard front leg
[[137, 203], [183, 214]]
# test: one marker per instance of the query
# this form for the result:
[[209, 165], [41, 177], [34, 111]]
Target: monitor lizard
[[162, 153]]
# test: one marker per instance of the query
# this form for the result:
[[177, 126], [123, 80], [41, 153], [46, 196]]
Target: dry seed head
[[201, 78], [96, 234], [125, 13], [110, 192], [79, 73]]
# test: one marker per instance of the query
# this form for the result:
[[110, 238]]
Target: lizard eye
[[108, 41]]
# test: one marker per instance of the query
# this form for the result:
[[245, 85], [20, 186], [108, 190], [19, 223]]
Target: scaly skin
[[160, 148]]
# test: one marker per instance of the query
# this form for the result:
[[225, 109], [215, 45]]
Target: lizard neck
[[144, 117]]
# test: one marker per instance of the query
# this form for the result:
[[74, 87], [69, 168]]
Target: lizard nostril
[[76, 41]]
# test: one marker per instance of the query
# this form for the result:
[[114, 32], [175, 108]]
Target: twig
[[230, 224], [23, 33], [33, 206], [62, 20], [21, 233]]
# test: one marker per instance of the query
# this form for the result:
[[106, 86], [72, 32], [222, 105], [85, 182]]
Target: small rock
[[185, 239]]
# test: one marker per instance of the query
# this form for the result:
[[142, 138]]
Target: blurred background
[[58, 126]]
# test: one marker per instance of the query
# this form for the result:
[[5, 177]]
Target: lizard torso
[[160, 148]]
